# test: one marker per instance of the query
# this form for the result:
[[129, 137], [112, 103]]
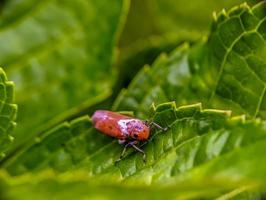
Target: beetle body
[[128, 130], [120, 126]]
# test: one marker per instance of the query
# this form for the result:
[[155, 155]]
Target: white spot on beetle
[[123, 125]]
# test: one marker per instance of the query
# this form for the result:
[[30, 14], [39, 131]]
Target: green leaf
[[59, 54], [246, 166], [73, 142], [8, 112], [197, 138], [70, 143], [239, 63], [225, 72]]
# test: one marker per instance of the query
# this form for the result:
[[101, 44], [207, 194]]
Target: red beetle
[[128, 130]]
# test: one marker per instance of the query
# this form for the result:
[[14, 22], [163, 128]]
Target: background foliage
[[200, 73]]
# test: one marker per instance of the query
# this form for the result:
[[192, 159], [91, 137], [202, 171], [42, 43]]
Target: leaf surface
[[64, 187], [72, 142], [198, 140]]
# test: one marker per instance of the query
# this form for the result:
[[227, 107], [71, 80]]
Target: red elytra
[[128, 130], [120, 126]]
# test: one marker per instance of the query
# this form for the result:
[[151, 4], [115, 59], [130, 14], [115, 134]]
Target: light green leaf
[[78, 186], [59, 54], [225, 72], [8, 112]]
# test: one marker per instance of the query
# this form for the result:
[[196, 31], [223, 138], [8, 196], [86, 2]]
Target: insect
[[128, 130]]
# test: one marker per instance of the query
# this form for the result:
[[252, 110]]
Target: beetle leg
[[158, 126], [132, 144], [124, 151], [139, 150]]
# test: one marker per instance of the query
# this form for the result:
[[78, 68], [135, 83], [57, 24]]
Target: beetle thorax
[[134, 129]]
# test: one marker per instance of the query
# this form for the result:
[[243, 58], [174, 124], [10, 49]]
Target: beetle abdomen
[[107, 122]]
